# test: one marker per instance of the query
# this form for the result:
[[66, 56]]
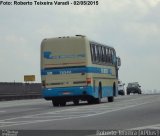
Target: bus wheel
[[98, 100], [110, 99], [63, 103], [99, 93], [114, 89], [128, 93], [55, 103], [91, 101], [76, 102]]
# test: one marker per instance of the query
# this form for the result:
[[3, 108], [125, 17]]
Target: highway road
[[125, 113]]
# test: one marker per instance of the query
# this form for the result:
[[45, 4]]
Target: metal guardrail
[[6, 97], [19, 91]]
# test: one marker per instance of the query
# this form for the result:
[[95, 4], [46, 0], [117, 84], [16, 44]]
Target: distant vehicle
[[133, 88], [77, 69], [121, 89]]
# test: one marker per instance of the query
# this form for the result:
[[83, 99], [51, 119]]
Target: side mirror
[[118, 62]]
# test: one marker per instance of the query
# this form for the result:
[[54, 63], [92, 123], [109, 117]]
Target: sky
[[132, 27]]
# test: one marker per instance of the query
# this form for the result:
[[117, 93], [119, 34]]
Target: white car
[[121, 90]]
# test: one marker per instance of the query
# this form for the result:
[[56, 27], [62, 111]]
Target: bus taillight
[[88, 80]]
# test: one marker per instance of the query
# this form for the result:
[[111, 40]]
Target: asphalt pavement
[[125, 113]]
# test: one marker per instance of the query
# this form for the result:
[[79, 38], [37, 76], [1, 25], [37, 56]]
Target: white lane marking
[[5, 122], [42, 101], [156, 126], [45, 117], [16, 103], [90, 115], [2, 111], [13, 122], [53, 112], [82, 108]]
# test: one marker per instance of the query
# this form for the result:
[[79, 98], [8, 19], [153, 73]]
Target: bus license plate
[[66, 93]]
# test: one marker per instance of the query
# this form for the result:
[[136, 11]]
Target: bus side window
[[100, 53], [103, 54], [111, 51], [92, 52], [96, 54], [107, 55], [114, 57]]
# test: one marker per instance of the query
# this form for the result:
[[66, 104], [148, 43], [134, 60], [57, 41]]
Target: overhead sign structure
[[28, 78]]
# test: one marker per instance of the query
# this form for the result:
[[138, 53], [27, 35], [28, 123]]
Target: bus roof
[[64, 37], [78, 36]]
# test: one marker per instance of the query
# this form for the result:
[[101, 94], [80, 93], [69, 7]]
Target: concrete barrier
[[14, 91]]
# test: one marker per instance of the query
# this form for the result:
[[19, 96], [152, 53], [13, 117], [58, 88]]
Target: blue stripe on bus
[[48, 92], [74, 91], [76, 70]]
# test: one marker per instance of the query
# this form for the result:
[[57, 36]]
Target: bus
[[78, 69]]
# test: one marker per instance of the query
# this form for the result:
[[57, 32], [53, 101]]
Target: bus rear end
[[63, 70]]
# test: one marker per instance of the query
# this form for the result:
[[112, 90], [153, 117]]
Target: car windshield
[[132, 85]]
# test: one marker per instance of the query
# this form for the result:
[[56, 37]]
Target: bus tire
[[98, 100], [63, 103], [110, 99], [114, 89], [90, 101], [55, 103], [76, 102]]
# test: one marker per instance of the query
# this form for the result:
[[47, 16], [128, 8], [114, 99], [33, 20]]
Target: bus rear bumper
[[68, 93]]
